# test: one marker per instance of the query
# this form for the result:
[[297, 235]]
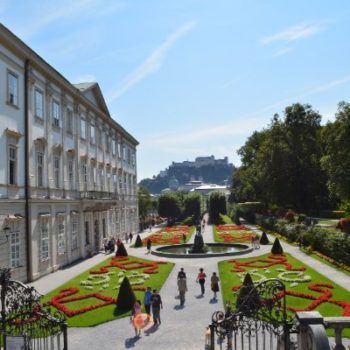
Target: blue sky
[[192, 78]]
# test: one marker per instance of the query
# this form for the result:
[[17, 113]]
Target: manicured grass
[[233, 236], [329, 222], [170, 235], [231, 279], [109, 312]]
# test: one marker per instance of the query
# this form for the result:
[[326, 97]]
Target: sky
[[192, 78]]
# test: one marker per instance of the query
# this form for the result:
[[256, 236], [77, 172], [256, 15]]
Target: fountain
[[199, 249]]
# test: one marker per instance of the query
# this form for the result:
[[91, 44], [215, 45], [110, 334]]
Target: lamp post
[[5, 238]]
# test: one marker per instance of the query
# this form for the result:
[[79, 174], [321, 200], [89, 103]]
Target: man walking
[[157, 304], [182, 285], [147, 301]]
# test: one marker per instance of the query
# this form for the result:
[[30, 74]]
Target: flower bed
[[233, 234], [90, 298], [170, 235], [306, 289]]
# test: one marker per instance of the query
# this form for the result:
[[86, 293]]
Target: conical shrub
[[263, 239], [126, 297], [248, 299], [138, 242], [277, 248], [121, 251]]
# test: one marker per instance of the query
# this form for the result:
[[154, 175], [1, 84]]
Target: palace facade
[[68, 174]]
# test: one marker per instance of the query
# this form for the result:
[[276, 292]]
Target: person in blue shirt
[[147, 300]]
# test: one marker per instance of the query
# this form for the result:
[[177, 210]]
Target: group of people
[[109, 245], [201, 278], [152, 302]]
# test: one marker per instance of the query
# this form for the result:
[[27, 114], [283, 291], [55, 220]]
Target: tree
[[121, 251], [192, 206], [126, 297], [276, 247], [248, 299], [217, 206], [336, 160], [138, 242], [169, 206], [264, 239]]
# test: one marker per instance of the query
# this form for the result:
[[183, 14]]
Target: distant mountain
[[205, 169]]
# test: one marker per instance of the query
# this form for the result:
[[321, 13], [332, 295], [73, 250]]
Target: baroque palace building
[[67, 169]]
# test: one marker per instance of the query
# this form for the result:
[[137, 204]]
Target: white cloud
[[283, 52], [152, 63], [297, 32], [47, 13]]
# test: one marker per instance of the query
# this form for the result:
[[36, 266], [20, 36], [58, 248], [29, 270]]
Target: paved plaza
[[181, 328]]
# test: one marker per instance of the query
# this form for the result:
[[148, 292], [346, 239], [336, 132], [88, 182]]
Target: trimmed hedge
[[138, 242], [248, 210], [126, 297], [277, 248], [263, 239]]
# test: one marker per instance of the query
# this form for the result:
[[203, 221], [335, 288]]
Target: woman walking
[[149, 245], [136, 310], [201, 279], [214, 284]]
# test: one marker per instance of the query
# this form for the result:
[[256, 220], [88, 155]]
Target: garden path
[[181, 328]]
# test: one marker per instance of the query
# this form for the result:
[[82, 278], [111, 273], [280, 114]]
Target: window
[[113, 147], [107, 144], [93, 174], [39, 104], [14, 246], [44, 240], [119, 149], [108, 179], [74, 236], [87, 233], [92, 134], [84, 172], [60, 237], [56, 171], [69, 121], [124, 153], [56, 113], [98, 137], [129, 155], [115, 182], [102, 177], [12, 89], [12, 165], [71, 173], [40, 168], [120, 183], [125, 184], [83, 129], [133, 159]]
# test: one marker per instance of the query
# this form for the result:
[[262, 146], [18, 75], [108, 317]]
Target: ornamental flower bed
[[170, 235], [90, 298], [233, 234], [306, 289]]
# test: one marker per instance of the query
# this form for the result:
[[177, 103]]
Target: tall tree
[[336, 160], [145, 202], [169, 206], [217, 206], [192, 205]]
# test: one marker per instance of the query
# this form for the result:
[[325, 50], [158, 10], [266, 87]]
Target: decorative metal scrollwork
[[23, 314], [261, 307]]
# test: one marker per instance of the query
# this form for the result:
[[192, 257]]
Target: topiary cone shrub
[[277, 248], [138, 242], [248, 299], [121, 251], [263, 239], [126, 297]]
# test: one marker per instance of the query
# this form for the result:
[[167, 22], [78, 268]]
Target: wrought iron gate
[[259, 322], [25, 323]]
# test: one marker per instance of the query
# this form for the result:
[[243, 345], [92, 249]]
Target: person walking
[[149, 245], [157, 304], [214, 284], [182, 285], [136, 310], [130, 237], [147, 301], [201, 279], [126, 237]]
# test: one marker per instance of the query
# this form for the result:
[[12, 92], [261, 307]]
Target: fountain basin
[[214, 250]]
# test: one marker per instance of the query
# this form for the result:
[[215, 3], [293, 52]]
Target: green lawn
[[109, 288], [230, 279], [233, 236]]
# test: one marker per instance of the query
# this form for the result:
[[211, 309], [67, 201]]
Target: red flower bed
[[59, 300], [231, 228], [168, 235]]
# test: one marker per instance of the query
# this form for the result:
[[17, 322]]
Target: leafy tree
[[336, 160], [217, 206], [192, 205], [169, 206], [248, 299]]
